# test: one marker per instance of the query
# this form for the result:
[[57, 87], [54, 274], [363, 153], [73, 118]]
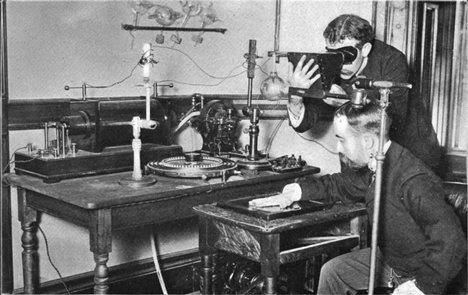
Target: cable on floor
[[156, 264]]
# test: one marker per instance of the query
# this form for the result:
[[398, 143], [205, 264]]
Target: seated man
[[421, 243]]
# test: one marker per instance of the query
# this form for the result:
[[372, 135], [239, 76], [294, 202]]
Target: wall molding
[[395, 23], [174, 267]]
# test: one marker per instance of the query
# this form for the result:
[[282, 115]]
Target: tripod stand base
[[261, 164], [137, 183]]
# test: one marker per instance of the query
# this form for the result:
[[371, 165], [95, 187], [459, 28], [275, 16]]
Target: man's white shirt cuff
[[294, 119]]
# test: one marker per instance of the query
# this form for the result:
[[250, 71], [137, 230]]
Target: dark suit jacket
[[419, 232], [410, 126]]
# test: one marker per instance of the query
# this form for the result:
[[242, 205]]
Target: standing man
[[373, 60], [421, 245]]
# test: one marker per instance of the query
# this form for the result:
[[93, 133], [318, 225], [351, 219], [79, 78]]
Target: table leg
[[208, 256], [101, 245], [269, 261], [207, 274], [358, 226], [29, 223], [101, 273]]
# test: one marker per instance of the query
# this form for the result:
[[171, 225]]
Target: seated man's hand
[[407, 288], [291, 193]]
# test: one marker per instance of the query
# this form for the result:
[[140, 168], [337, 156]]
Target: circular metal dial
[[183, 166]]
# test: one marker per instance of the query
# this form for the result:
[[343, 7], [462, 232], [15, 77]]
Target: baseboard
[[137, 277]]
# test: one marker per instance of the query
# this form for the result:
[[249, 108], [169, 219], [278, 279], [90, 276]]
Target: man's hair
[[349, 26], [364, 119]]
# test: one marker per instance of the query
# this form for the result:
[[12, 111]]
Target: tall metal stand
[[380, 158], [138, 179], [253, 160]]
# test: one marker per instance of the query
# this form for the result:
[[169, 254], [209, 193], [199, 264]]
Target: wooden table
[[102, 205], [260, 240]]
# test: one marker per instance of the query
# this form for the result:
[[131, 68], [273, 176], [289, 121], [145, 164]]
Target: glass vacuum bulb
[[274, 88]]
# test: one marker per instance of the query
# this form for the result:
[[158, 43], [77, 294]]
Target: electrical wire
[[198, 66], [319, 143], [185, 120], [50, 259], [10, 161], [125, 78], [118, 82], [273, 135], [222, 78], [200, 84], [156, 264], [261, 69], [25, 161], [132, 42]]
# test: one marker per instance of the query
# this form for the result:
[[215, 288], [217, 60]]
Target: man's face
[[348, 70], [350, 144]]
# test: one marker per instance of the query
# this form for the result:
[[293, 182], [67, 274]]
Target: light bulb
[[274, 88], [165, 15]]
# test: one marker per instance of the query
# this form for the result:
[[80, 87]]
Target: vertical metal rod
[[63, 140], [155, 90], [146, 77], [83, 91], [57, 139], [73, 148], [148, 101], [251, 56], [380, 158], [253, 135], [277, 25], [249, 94], [67, 137], [46, 136]]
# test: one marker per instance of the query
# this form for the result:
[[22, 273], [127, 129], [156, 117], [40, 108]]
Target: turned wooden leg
[[270, 287], [28, 219], [269, 261], [101, 245], [207, 274], [30, 258], [101, 273], [206, 240]]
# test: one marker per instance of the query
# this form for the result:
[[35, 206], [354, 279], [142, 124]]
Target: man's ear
[[366, 49], [369, 141]]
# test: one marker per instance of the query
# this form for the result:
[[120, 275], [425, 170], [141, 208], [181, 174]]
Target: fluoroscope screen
[[329, 63]]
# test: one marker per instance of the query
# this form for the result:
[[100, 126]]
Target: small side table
[[259, 240]]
